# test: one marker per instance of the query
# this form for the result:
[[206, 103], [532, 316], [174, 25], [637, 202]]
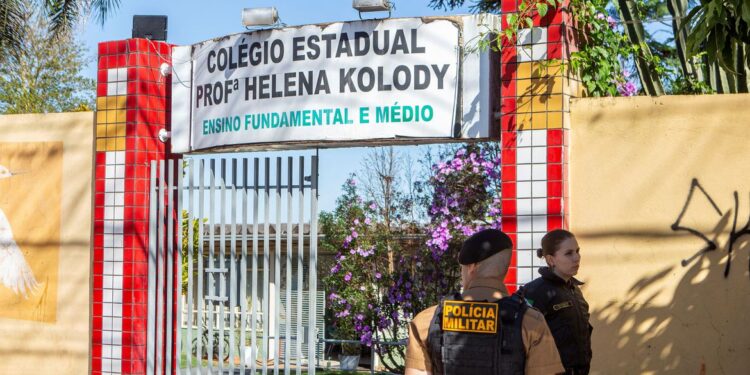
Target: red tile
[[508, 55], [554, 172], [508, 123], [554, 222], [509, 207], [556, 51], [509, 224], [554, 154], [510, 277], [101, 89], [509, 6], [554, 189], [508, 173], [508, 157], [508, 189], [508, 105], [554, 206], [554, 137], [508, 88]]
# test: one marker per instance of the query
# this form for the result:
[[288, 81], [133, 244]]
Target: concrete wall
[[660, 304], [47, 203]]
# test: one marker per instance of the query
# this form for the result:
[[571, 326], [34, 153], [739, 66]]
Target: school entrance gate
[[232, 266], [208, 265]]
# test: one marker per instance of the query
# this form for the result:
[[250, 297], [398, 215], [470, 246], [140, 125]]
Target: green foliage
[[186, 222], [60, 17], [43, 77], [718, 27]]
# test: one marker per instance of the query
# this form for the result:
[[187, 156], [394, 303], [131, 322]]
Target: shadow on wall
[[703, 330]]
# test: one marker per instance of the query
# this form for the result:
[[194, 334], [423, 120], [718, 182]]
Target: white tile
[[107, 309], [119, 199], [106, 362], [107, 295], [109, 171], [112, 89], [122, 74], [539, 262], [107, 324], [117, 338], [106, 339], [119, 171], [536, 239], [523, 155], [524, 241], [119, 185], [111, 158], [538, 137], [117, 352], [539, 35], [109, 225], [108, 268], [524, 224], [116, 366], [117, 227], [117, 324], [117, 281], [523, 138], [539, 154], [108, 240], [523, 172], [117, 296], [120, 211], [119, 157], [539, 223], [109, 212], [117, 268], [523, 207], [523, 54], [539, 189], [538, 52], [117, 310], [524, 37], [523, 189], [117, 254], [111, 75], [109, 185], [122, 87], [539, 206], [523, 275], [107, 351], [107, 284], [539, 172], [523, 258], [117, 240]]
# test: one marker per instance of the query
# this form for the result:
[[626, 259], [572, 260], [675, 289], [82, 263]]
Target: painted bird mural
[[15, 273]]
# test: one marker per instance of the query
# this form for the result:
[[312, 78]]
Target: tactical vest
[[455, 353]]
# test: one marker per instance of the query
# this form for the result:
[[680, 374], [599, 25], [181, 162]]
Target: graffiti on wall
[[710, 240], [30, 198]]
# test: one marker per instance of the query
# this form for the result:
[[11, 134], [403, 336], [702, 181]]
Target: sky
[[192, 21]]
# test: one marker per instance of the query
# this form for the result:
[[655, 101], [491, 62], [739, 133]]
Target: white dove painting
[[15, 272]]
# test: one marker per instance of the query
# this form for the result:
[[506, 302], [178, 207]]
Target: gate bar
[[152, 249], [243, 270], [312, 341]]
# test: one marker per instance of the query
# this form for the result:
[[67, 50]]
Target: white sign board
[[354, 81]]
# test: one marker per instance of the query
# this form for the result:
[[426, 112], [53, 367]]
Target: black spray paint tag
[[476, 317]]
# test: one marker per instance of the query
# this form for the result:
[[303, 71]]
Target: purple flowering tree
[[357, 274], [465, 198]]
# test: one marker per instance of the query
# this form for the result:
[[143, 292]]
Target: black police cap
[[482, 245]]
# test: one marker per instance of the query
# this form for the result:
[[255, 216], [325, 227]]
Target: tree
[[43, 77], [706, 51], [61, 17]]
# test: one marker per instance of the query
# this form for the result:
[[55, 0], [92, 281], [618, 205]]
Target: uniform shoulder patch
[[467, 316], [562, 305]]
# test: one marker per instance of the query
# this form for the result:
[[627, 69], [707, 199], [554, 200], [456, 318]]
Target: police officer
[[482, 330], [558, 296]]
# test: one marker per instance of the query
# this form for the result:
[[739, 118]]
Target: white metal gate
[[232, 266]]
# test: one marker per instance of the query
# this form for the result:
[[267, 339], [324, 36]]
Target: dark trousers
[[577, 371]]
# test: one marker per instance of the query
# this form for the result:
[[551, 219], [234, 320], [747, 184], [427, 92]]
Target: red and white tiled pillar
[[133, 105], [536, 87]]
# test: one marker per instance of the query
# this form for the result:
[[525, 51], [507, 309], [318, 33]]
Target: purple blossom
[[378, 275], [367, 221], [627, 88], [348, 276], [373, 206]]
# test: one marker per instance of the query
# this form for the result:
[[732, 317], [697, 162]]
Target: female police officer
[[558, 296], [482, 330]]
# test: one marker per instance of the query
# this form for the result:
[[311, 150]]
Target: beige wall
[[656, 308], [47, 203]]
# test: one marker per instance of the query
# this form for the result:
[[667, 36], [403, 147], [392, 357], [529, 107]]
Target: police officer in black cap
[[482, 330]]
